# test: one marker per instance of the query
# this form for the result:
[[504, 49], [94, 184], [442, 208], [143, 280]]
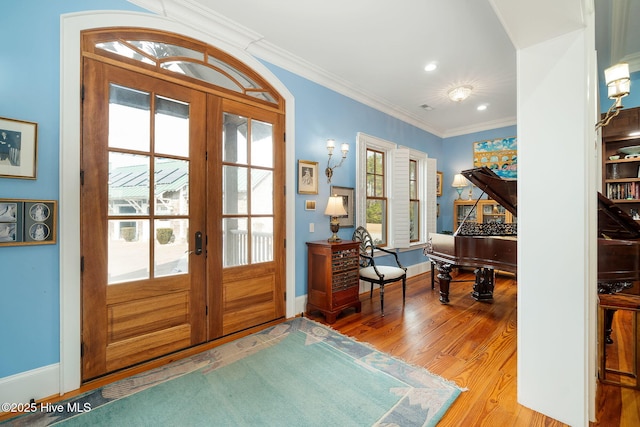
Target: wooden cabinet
[[332, 278], [621, 161], [486, 211]]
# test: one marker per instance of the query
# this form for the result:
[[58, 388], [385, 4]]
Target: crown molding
[[480, 127], [207, 21]]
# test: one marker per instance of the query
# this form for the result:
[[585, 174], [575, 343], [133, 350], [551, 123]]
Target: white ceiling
[[375, 50]]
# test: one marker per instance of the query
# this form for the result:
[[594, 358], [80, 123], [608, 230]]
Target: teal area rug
[[297, 373]]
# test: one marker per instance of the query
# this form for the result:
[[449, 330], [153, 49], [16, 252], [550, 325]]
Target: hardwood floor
[[471, 343]]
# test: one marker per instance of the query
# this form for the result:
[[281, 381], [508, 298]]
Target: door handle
[[198, 243]]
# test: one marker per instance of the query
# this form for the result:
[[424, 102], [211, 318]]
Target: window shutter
[[399, 201], [431, 203]]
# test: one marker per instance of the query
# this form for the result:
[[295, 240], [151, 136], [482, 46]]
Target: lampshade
[[331, 144], [459, 181], [335, 207], [618, 81]]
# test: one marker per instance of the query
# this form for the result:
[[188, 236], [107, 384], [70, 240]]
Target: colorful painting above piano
[[499, 155]]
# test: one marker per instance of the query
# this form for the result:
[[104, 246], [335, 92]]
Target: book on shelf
[[623, 190]]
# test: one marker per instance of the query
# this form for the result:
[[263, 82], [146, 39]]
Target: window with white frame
[[399, 188]]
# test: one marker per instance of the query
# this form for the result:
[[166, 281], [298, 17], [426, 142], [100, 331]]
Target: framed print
[[18, 148], [27, 222], [309, 205], [348, 201], [500, 155], [307, 177], [438, 183]]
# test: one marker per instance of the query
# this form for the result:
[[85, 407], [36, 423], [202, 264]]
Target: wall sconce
[[618, 86], [459, 182], [334, 209], [331, 144]]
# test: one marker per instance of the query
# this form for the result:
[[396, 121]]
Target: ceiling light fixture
[[482, 107], [460, 93]]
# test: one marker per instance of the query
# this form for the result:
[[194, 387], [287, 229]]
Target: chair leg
[[371, 291], [382, 298], [404, 289]]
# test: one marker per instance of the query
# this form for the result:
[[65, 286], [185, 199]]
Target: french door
[[182, 229]]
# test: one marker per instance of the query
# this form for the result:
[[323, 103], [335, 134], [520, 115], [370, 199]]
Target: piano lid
[[614, 223], [503, 191]]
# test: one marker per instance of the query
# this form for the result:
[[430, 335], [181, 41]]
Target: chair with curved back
[[380, 274]]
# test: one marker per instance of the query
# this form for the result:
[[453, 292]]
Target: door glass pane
[[262, 239], [261, 144], [128, 184], [234, 190], [171, 247], [129, 121], [234, 139], [261, 192], [171, 186], [235, 242], [128, 247], [171, 127]]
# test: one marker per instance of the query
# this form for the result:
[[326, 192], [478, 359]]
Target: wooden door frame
[[65, 377]]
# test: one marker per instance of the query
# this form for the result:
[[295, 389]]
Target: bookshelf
[[621, 161]]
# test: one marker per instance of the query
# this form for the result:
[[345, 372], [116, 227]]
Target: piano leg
[[444, 280], [608, 322], [611, 288], [483, 286]]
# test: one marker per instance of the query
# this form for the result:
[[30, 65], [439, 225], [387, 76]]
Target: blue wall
[[30, 91], [322, 114], [457, 155]]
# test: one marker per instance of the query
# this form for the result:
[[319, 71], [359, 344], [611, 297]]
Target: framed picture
[[27, 222], [309, 205], [307, 177], [500, 155], [438, 183], [18, 148], [348, 201]]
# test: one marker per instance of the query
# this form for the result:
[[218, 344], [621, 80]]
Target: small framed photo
[[438, 183], [18, 148], [348, 201], [27, 222], [307, 177], [309, 205]]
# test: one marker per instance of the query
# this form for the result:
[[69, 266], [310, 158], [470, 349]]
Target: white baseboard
[[413, 270], [35, 384]]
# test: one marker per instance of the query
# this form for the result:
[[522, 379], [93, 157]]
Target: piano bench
[[608, 305]]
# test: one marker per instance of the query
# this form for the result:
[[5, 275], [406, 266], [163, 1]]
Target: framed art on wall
[[348, 201], [500, 155], [307, 177], [27, 222], [438, 183], [18, 148]]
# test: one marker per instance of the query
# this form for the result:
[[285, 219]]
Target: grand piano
[[485, 246], [490, 247]]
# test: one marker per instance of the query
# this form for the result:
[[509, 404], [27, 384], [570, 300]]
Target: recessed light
[[482, 107], [431, 66], [426, 107]]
